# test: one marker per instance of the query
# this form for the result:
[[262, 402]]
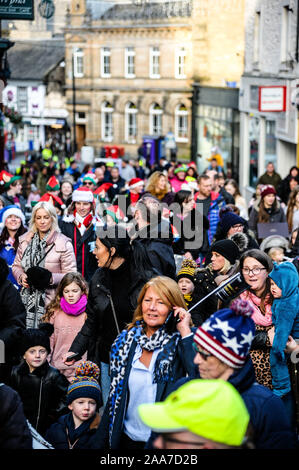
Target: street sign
[[17, 10]]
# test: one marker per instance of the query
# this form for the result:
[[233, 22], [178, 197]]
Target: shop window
[[154, 62], [129, 62], [180, 63], [107, 121], [78, 63], [22, 99], [105, 62], [130, 123], [181, 123], [156, 119]]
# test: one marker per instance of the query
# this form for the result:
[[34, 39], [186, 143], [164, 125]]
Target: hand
[[291, 345], [71, 362], [183, 326], [188, 255], [271, 334], [23, 280]]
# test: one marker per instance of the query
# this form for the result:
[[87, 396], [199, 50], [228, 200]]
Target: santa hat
[[104, 187], [55, 200], [82, 194], [11, 210], [135, 182], [5, 177], [53, 184]]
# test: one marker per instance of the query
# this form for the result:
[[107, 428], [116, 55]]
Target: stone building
[[134, 64]]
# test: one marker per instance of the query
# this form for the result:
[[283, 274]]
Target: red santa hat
[[134, 182], [5, 177], [82, 194], [104, 187], [55, 200]]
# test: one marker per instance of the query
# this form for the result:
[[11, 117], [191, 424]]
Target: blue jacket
[[268, 416], [183, 364], [217, 202], [8, 253]]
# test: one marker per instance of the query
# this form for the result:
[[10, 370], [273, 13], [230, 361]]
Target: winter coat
[[59, 261], [9, 200], [273, 179], [14, 431], [43, 393], [12, 317], [177, 184], [182, 365], [116, 188], [57, 435], [276, 215], [205, 283], [100, 330], [216, 203], [8, 253], [83, 248]]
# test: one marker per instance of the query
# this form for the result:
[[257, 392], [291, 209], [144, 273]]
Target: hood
[[4, 271], [285, 275], [243, 378]]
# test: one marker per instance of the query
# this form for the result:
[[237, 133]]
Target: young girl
[[187, 282], [67, 314]]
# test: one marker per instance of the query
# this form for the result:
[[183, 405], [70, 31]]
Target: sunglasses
[[203, 354], [87, 183]]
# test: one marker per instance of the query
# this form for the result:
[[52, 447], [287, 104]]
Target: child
[[41, 387], [285, 319], [276, 254], [75, 429], [186, 279], [67, 314]]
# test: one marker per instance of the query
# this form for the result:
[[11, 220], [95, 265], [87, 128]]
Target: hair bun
[[87, 369], [46, 328], [242, 307]]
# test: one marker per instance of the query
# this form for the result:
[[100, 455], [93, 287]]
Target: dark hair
[[116, 237], [266, 261], [203, 177], [263, 215], [5, 236], [181, 196]]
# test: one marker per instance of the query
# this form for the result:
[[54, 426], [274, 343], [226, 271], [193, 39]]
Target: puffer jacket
[[59, 261]]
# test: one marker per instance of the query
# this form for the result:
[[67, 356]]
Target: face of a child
[[186, 285], [275, 290], [35, 357], [277, 256], [72, 293], [83, 408]]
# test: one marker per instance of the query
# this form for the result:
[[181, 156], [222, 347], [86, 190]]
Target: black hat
[[228, 249], [36, 337]]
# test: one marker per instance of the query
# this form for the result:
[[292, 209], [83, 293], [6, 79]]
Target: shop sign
[[17, 10], [272, 99]]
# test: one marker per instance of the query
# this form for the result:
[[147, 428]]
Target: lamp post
[[74, 105]]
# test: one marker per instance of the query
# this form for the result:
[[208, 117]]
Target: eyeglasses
[[87, 183], [203, 354], [255, 271]]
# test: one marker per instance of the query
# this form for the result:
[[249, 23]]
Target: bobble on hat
[[242, 307], [187, 270], [85, 384]]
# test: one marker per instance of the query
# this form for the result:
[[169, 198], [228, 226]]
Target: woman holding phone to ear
[[146, 358]]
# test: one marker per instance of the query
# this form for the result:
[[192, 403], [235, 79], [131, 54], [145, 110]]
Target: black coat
[[43, 393], [9, 200], [86, 242], [12, 319], [14, 431], [191, 232], [205, 284]]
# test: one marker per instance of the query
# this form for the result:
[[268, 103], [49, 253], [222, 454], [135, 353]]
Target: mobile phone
[[75, 357], [171, 322]]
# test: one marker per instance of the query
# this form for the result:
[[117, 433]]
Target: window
[[107, 121], [22, 99], [257, 37], [181, 123], [129, 62], [78, 63], [105, 62], [180, 63], [155, 119], [130, 122], [285, 34], [154, 62]]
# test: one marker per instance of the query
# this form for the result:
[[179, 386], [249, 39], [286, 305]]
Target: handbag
[[37, 277]]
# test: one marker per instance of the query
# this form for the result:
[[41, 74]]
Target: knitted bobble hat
[[187, 270], [228, 333], [267, 189], [85, 384], [228, 219]]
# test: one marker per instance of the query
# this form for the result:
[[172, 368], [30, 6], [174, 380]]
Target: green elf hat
[[12, 180], [53, 184], [180, 168]]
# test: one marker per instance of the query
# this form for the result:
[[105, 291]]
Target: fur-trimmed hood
[[241, 240]]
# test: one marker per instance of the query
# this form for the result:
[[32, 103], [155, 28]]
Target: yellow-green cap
[[212, 409]]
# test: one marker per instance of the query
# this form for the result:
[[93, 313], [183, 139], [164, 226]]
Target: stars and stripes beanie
[[228, 333], [85, 383]]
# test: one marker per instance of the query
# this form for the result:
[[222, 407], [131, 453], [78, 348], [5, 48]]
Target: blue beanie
[[228, 333], [85, 384], [229, 219]]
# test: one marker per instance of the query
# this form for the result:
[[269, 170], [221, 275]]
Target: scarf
[[258, 317], [82, 223], [120, 350], [73, 433], [33, 299], [74, 309]]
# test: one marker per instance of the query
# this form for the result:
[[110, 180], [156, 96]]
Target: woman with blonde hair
[[292, 211], [44, 255], [152, 353], [158, 186]]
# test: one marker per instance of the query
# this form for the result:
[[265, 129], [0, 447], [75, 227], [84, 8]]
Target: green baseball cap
[[212, 409]]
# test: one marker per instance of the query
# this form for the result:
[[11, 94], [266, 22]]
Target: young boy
[[285, 319], [276, 254], [186, 279], [75, 429]]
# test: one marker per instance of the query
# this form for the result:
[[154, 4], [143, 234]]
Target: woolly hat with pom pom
[[85, 384], [228, 219], [228, 333], [36, 337], [187, 270]]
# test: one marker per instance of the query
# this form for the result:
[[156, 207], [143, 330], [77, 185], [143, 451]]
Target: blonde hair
[[50, 209], [151, 186], [166, 288]]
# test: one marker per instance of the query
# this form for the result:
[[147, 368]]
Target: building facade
[[268, 113]]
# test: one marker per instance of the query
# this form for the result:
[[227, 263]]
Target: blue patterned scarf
[[119, 357]]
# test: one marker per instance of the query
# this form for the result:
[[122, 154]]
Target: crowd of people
[[120, 321]]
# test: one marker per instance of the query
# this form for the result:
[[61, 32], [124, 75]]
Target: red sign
[[272, 99]]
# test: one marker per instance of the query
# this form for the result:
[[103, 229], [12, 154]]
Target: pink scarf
[[258, 317], [74, 309]]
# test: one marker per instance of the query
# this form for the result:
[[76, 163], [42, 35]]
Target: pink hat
[[134, 182], [82, 194]]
